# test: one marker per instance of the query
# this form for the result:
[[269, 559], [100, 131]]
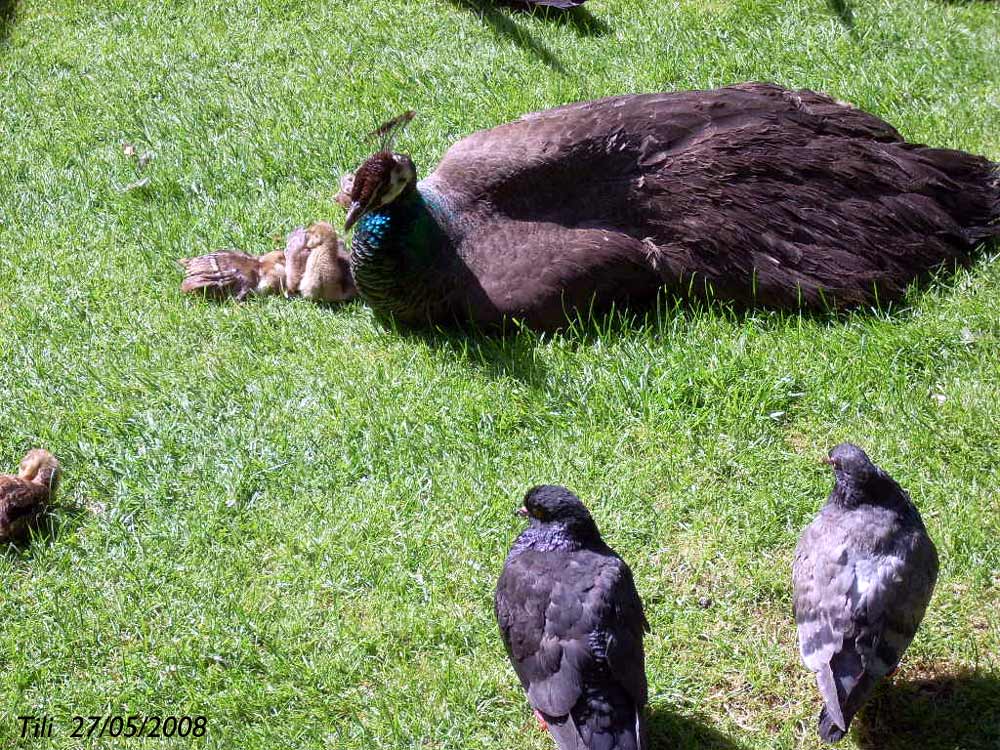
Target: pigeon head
[[854, 473], [382, 179], [851, 463], [552, 505]]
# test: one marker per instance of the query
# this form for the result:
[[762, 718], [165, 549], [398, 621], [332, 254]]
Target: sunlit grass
[[289, 519]]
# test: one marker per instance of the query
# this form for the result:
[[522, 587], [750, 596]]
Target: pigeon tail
[[828, 729], [641, 733], [565, 733], [831, 717], [836, 716], [590, 734]]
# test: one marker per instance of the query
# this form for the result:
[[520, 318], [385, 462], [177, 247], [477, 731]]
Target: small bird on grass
[[317, 267], [573, 623], [230, 273], [312, 265], [863, 575], [23, 498]]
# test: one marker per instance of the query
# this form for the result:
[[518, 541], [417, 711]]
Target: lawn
[[289, 518]]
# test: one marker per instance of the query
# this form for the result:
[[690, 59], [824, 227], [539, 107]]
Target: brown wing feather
[[20, 502], [221, 274], [755, 192]]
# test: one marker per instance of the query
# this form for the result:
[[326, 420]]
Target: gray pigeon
[[863, 575], [573, 624]]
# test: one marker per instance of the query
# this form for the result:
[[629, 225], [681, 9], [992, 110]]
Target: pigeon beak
[[353, 214], [522, 511], [826, 460]]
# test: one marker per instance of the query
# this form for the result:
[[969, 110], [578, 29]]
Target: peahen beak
[[353, 214]]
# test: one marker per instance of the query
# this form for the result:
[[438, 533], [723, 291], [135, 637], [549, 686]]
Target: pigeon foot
[[542, 724]]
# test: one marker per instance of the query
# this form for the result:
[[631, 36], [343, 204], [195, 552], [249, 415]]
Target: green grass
[[289, 519]]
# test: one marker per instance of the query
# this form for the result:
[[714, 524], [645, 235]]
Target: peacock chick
[[230, 273], [23, 498], [346, 188], [296, 254], [326, 276]]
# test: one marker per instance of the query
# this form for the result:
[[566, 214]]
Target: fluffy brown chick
[[296, 255], [232, 273], [327, 275], [23, 498], [346, 188]]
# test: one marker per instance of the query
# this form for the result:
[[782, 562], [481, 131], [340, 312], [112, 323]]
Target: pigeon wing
[[625, 654], [897, 588], [542, 622], [822, 581]]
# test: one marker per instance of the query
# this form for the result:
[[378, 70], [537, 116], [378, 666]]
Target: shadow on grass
[[580, 19], [59, 519], [512, 354], [503, 25], [584, 22], [959, 710], [513, 350], [844, 12], [8, 13], [669, 730]]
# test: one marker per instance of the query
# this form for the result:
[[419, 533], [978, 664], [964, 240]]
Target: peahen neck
[[400, 257]]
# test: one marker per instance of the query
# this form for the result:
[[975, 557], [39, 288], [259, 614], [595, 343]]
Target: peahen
[[751, 193]]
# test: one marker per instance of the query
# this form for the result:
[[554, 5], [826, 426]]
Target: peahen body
[[750, 193]]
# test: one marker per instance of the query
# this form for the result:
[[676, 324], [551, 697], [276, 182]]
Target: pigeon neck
[[877, 489], [396, 257], [553, 537]]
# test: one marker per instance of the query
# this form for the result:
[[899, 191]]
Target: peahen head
[[382, 179]]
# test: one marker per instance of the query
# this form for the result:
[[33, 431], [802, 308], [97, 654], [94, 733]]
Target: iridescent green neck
[[399, 254]]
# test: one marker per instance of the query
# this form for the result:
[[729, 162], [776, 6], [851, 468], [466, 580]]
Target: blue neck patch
[[374, 225]]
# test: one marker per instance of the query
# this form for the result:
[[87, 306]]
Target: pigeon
[[572, 622], [863, 575], [23, 497]]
